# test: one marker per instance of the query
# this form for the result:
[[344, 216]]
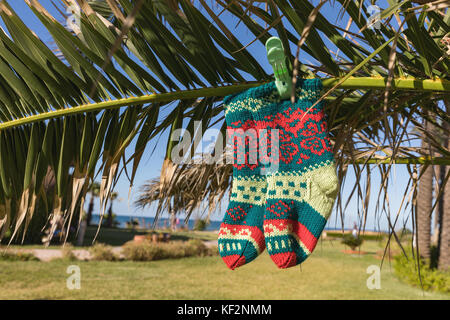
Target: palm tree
[[85, 221], [94, 105], [94, 191], [186, 188], [439, 174], [444, 243], [424, 206], [109, 218]]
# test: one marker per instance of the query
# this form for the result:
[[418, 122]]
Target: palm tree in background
[[109, 222], [425, 204], [432, 178], [85, 220], [439, 178], [209, 182], [444, 241], [94, 190], [128, 71]]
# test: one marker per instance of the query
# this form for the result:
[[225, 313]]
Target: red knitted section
[[293, 124], [288, 226], [243, 230], [233, 261], [306, 237], [278, 225], [285, 259]]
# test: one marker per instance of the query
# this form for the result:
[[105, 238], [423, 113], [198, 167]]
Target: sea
[[147, 222]]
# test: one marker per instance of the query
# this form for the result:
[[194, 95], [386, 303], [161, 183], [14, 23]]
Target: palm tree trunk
[[439, 211], [424, 206], [439, 175], [444, 243], [172, 218], [81, 232], [444, 250], [90, 211], [109, 218]]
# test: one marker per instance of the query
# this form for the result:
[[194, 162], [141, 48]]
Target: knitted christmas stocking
[[301, 193], [241, 237]]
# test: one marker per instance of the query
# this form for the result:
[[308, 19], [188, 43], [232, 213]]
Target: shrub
[[67, 252], [102, 252], [339, 234], [150, 251], [351, 241], [177, 250], [406, 269], [200, 249], [200, 224], [405, 234], [17, 256], [132, 224], [143, 251]]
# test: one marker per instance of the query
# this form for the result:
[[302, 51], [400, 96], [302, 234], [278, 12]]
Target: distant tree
[[109, 218], [201, 224], [351, 241], [94, 190]]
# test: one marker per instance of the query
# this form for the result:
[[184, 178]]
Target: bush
[[405, 234], [102, 252], [339, 234], [17, 256], [132, 224], [407, 270], [143, 251], [200, 224], [351, 241], [67, 252], [150, 251]]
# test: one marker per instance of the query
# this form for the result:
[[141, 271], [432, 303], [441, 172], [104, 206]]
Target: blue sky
[[154, 155]]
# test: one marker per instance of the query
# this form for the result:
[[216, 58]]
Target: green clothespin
[[277, 58]]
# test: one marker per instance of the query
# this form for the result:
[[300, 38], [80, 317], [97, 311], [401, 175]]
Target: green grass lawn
[[327, 274]]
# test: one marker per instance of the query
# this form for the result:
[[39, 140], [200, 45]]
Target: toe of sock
[[237, 258], [285, 259], [239, 245], [233, 261]]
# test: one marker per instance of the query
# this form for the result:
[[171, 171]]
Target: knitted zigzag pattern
[[301, 193]]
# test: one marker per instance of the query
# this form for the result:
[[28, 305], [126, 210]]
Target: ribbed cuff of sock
[[261, 100]]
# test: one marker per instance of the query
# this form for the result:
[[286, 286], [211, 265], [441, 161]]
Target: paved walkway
[[50, 254], [81, 254]]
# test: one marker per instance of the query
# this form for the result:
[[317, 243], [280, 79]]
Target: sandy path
[[81, 254]]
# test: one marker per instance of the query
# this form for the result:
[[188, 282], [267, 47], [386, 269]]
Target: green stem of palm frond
[[405, 160], [438, 85]]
